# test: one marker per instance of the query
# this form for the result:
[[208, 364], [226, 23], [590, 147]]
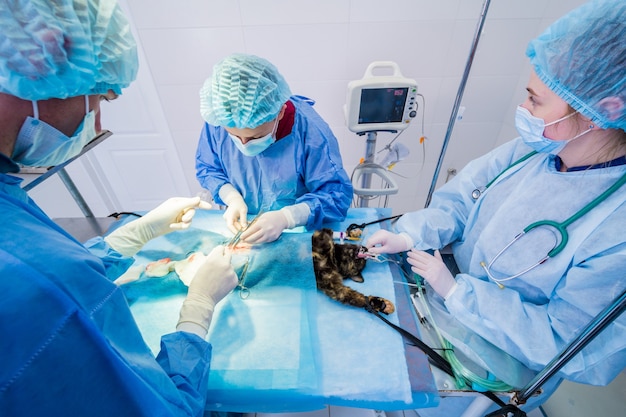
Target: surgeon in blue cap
[[521, 299], [68, 342], [264, 151]]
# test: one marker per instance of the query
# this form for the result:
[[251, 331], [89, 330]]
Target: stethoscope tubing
[[562, 226]]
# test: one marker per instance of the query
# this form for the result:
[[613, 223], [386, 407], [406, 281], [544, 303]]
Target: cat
[[333, 262]]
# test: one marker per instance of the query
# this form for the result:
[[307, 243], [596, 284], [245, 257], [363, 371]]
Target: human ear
[[612, 107], [282, 112]]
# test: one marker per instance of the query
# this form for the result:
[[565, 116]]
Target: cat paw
[[381, 305], [357, 278]]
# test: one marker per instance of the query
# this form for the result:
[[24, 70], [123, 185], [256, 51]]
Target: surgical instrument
[[354, 230], [244, 291], [235, 240]]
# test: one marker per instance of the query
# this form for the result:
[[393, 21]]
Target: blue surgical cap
[[582, 58], [244, 91], [64, 48]]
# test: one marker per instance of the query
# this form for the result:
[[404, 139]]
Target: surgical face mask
[[255, 146], [531, 130], [39, 144]]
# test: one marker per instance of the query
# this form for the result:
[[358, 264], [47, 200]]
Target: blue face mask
[[39, 144], [255, 146], [531, 130]]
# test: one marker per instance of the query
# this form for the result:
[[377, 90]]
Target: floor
[[85, 228]]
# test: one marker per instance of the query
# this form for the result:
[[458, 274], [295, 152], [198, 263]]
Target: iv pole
[[366, 180], [459, 96]]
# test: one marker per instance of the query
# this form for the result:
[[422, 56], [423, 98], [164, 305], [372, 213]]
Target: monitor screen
[[382, 105]]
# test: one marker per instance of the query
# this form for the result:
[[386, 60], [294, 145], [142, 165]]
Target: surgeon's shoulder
[[304, 108], [213, 131], [505, 154], [515, 148]]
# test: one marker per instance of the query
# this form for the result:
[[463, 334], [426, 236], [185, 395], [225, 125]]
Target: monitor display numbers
[[382, 105]]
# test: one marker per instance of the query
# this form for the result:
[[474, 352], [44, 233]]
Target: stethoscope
[[478, 191], [561, 227]]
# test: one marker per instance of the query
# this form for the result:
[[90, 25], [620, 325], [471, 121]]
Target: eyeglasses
[[109, 96]]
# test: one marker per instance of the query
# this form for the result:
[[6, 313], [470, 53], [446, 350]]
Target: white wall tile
[[182, 56], [473, 9], [502, 46], [487, 99], [511, 9], [161, 14], [556, 8], [301, 52], [281, 12], [181, 105], [419, 48], [399, 10], [329, 98]]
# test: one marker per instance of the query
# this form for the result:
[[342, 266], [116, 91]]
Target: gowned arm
[[210, 172], [115, 264], [329, 188], [535, 334], [328, 203], [186, 358]]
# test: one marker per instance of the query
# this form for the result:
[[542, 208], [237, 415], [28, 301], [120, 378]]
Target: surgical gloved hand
[[267, 228], [433, 270], [214, 279], [236, 213], [173, 214], [384, 241]]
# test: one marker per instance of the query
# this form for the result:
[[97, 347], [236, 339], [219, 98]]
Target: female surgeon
[[68, 342], [528, 296], [263, 151]]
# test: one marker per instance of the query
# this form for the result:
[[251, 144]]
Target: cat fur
[[333, 262]]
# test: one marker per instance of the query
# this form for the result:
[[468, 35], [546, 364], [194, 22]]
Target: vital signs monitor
[[379, 103]]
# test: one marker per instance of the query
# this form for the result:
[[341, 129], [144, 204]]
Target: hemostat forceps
[[244, 291], [235, 240]]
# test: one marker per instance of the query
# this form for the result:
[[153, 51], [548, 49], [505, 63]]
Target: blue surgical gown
[[68, 342], [302, 167], [538, 313]]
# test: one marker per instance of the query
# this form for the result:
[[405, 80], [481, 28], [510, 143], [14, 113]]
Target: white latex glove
[[433, 270], [383, 241], [173, 214], [236, 213], [267, 228], [214, 279]]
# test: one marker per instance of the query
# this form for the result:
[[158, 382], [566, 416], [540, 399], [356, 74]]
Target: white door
[[134, 169], [138, 166]]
